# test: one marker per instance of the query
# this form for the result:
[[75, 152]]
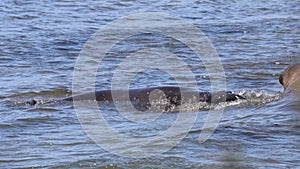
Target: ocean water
[[41, 42]]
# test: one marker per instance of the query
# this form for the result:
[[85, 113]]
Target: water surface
[[41, 40]]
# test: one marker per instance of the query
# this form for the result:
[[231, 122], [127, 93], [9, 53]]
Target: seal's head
[[290, 78]]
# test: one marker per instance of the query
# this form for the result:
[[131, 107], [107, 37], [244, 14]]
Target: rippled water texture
[[41, 40]]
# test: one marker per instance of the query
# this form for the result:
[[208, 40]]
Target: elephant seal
[[142, 96], [290, 79]]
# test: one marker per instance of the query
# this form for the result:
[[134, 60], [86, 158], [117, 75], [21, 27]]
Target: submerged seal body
[[170, 92], [144, 96], [290, 79]]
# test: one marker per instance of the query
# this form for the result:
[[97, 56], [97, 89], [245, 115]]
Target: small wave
[[5, 125], [43, 109], [53, 93], [39, 98], [252, 99], [257, 98], [32, 102]]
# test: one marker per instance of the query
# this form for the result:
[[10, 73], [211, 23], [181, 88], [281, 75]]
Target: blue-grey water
[[40, 42]]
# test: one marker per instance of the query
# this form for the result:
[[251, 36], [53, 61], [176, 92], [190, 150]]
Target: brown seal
[[290, 79]]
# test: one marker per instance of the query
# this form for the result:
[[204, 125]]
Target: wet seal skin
[[290, 79], [172, 94]]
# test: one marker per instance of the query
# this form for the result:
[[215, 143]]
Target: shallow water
[[41, 40]]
